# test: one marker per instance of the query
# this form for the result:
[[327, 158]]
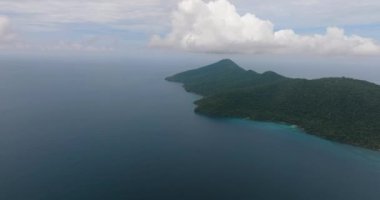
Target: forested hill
[[341, 109], [222, 76]]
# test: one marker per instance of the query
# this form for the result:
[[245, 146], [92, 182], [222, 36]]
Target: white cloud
[[67, 11], [217, 27], [9, 42], [6, 34], [310, 13], [314, 13], [55, 13]]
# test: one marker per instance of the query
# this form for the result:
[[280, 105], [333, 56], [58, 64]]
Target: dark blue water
[[118, 131]]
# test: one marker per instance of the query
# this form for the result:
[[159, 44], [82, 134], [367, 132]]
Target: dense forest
[[340, 109]]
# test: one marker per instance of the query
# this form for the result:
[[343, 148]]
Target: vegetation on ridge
[[341, 109]]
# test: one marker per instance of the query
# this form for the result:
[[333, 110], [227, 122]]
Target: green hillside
[[220, 77], [341, 109]]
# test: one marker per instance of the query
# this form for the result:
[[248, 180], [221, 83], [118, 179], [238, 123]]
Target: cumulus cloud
[[6, 35], [216, 27]]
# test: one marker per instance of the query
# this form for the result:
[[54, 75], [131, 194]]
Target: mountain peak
[[226, 64], [227, 61]]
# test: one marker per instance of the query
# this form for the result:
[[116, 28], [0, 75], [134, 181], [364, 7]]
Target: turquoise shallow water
[[116, 130], [348, 151]]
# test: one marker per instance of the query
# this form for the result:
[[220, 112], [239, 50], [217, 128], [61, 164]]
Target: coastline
[[291, 125]]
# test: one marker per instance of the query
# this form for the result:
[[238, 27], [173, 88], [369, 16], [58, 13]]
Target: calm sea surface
[[118, 131]]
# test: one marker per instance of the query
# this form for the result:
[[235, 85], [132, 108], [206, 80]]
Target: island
[[344, 110]]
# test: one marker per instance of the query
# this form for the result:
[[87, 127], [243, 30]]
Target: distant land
[[339, 109]]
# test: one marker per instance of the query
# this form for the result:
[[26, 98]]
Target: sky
[[319, 30]]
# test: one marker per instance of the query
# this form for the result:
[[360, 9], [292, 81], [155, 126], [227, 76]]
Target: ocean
[[97, 130]]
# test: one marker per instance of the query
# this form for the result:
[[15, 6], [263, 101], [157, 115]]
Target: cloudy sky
[[316, 27]]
